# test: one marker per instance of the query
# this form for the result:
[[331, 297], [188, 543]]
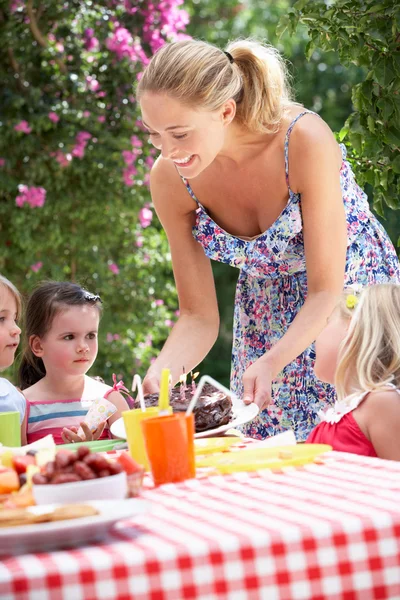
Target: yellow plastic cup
[[134, 434]]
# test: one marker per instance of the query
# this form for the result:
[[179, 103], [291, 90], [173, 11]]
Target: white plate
[[242, 413], [59, 534]]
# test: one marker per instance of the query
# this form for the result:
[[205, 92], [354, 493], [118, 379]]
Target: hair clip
[[229, 56], [351, 301], [91, 297]]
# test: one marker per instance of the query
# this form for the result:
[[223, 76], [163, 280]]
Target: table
[[323, 531]]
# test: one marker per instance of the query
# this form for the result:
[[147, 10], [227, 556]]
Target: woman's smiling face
[[190, 138]]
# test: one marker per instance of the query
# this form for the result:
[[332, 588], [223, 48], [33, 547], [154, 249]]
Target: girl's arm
[[196, 330], [24, 426], [380, 413], [314, 165], [119, 401]]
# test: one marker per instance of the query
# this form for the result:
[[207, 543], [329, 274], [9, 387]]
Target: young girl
[[10, 310], [62, 321], [359, 351]]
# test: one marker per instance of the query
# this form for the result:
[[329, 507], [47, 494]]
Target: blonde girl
[[10, 312], [359, 351]]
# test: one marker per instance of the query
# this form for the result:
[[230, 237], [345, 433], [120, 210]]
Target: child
[[359, 351], [62, 321], [10, 310]]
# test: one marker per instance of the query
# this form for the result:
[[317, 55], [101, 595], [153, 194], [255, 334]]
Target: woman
[[252, 179]]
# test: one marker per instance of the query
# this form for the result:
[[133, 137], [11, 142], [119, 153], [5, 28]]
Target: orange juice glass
[[169, 442]]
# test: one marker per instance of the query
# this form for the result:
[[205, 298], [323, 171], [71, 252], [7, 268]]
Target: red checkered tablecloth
[[324, 531]]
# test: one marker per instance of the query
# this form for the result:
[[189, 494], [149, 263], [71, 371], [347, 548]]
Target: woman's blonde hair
[[201, 75], [5, 283], [369, 358]]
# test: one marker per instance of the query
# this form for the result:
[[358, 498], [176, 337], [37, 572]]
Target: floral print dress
[[272, 287]]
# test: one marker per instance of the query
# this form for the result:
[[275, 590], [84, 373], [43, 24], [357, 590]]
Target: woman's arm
[[196, 330], [314, 164]]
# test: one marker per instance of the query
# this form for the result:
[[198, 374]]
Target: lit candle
[[193, 378], [182, 380]]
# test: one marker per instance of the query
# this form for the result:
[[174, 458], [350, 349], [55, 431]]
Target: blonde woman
[[359, 351], [248, 177]]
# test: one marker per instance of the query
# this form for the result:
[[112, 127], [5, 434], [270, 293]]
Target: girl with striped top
[[62, 321]]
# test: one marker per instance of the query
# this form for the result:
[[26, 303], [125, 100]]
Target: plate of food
[[55, 526], [216, 410]]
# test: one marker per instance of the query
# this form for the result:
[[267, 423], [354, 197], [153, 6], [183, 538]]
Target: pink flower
[[92, 83], [53, 117], [128, 175], [139, 241], [177, 313], [116, 336], [159, 302], [86, 114], [81, 141], [61, 158], [168, 323], [145, 217], [149, 161], [136, 142], [109, 337], [2, 162], [113, 268], [34, 196], [129, 157], [23, 126], [91, 43], [101, 119], [36, 267]]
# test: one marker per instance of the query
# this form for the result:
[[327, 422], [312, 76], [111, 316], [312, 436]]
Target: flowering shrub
[[74, 166]]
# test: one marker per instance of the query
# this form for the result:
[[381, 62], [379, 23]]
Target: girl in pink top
[[359, 351], [61, 326]]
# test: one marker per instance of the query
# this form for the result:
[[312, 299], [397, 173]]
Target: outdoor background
[[74, 160]]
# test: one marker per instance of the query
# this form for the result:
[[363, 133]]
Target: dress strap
[[189, 189], [289, 131]]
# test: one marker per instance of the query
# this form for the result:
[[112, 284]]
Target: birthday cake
[[212, 410]]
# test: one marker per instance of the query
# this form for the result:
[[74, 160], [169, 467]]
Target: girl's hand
[[151, 384], [71, 435], [257, 381]]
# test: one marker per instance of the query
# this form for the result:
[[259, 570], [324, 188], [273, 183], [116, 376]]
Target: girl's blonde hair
[[201, 75], [5, 283], [370, 353]]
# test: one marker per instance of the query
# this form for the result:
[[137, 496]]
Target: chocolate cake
[[213, 408]]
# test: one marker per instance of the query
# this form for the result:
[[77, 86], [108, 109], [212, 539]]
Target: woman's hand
[[151, 383], [71, 435], [257, 380]]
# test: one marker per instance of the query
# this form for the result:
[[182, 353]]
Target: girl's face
[[190, 138], [9, 330], [327, 347], [70, 346]]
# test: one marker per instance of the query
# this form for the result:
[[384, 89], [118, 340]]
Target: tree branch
[[14, 64], [37, 34]]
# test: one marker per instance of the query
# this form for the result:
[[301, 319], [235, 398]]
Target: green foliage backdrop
[[74, 161]]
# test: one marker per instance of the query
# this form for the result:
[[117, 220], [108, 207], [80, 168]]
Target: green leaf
[[371, 124], [309, 49], [386, 108], [396, 164], [300, 4], [343, 133], [392, 137], [384, 72], [376, 8]]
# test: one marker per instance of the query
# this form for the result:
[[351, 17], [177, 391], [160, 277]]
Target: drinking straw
[[137, 384], [197, 394], [163, 399]]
